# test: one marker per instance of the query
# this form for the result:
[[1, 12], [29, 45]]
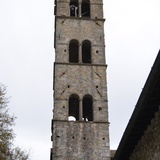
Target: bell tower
[[80, 127]]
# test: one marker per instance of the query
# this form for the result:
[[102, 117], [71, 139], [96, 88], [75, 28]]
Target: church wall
[[148, 147]]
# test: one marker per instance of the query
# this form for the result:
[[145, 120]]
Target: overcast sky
[[132, 34]]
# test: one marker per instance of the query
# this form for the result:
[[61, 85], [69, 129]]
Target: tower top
[[92, 9]]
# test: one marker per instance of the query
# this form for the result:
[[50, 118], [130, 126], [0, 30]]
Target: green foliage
[[7, 150]]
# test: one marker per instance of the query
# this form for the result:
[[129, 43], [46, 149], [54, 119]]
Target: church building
[[141, 139]]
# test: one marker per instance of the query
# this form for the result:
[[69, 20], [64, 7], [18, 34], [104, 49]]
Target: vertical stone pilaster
[[80, 110]]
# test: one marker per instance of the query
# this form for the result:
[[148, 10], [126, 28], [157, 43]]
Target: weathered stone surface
[[63, 8], [80, 30], [80, 141], [82, 80], [112, 153], [148, 147]]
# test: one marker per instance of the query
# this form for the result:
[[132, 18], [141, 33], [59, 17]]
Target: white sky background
[[132, 31]]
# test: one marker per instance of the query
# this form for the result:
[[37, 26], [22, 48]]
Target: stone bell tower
[[80, 128]]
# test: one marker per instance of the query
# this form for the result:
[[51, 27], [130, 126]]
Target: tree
[[7, 149], [19, 154]]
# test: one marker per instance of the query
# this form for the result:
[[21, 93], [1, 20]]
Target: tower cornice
[[80, 18], [81, 64]]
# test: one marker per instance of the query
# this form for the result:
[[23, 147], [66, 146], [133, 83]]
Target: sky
[[132, 37]]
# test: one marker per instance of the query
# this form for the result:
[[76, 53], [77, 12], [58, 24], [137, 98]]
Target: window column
[[80, 110], [80, 53], [80, 12]]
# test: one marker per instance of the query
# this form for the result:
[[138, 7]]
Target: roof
[[148, 103]]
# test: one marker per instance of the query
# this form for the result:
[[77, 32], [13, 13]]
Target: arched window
[[86, 51], [73, 51], [74, 8], [73, 107], [85, 8], [87, 108]]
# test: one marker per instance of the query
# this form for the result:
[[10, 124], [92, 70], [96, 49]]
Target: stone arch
[[73, 8], [86, 51], [88, 108], [85, 8], [73, 51], [73, 107]]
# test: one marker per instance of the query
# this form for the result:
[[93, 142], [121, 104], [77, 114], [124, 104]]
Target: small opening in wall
[[96, 86], [63, 106], [65, 50], [85, 8], [84, 137], [73, 137], [95, 17], [103, 138], [73, 113], [73, 51], [86, 51], [100, 108], [68, 86], [58, 136], [87, 108], [97, 51], [74, 8]]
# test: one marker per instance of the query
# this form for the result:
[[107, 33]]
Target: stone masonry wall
[[81, 141], [80, 80], [148, 147], [63, 8], [68, 29]]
